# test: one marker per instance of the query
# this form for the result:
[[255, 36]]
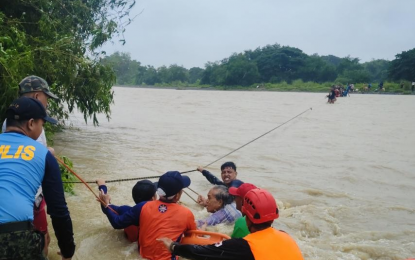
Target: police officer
[[37, 88], [25, 165]]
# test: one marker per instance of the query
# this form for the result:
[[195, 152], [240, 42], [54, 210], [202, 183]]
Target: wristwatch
[[172, 245]]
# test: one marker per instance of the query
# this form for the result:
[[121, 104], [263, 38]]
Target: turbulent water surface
[[343, 174]]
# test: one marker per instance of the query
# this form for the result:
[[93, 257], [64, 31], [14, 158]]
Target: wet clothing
[[131, 232], [214, 180], [332, 95], [240, 229], [262, 245], [227, 214], [25, 165], [156, 219]]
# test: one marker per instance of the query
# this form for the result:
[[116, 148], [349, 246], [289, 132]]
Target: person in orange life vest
[[240, 229], [159, 218], [264, 242], [143, 190]]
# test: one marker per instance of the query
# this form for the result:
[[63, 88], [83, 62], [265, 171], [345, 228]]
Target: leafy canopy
[[58, 40]]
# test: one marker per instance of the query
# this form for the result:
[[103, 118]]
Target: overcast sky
[[193, 32]]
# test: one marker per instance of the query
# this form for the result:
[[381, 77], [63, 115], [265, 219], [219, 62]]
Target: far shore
[[250, 89]]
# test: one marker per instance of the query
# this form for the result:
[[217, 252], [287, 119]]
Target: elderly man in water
[[220, 203], [228, 175]]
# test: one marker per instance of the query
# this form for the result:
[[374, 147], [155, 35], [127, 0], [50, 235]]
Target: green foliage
[[67, 175], [403, 66], [378, 69], [125, 68], [283, 67], [57, 40], [195, 74]]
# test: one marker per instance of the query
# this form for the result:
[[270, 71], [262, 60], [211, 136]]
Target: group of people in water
[[30, 178], [158, 224], [339, 91]]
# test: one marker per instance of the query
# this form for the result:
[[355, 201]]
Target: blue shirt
[[227, 214], [127, 215], [22, 167], [25, 165]]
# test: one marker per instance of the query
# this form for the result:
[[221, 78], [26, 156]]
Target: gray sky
[[193, 32]]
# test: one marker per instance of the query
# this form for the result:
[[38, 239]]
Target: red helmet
[[260, 206]]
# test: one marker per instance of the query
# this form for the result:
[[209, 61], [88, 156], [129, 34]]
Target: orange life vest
[[161, 219], [273, 244]]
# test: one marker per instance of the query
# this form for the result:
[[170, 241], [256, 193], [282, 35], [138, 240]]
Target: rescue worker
[[159, 218], [25, 165], [143, 190], [263, 243], [240, 229]]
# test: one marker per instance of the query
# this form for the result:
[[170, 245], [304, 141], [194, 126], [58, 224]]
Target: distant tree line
[[269, 64]]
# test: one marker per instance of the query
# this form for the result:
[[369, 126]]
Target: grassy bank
[[295, 86]]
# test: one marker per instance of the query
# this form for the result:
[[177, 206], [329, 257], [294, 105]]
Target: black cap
[[143, 190], [172, 183], [25, 108]]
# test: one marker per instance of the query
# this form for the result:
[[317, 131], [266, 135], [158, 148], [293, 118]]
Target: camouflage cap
[[33, 84]]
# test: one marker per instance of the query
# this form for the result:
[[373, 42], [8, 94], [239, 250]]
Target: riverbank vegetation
[[59, 41], [273, 67]]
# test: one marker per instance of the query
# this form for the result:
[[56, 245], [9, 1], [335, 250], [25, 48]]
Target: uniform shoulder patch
[[162, 208]]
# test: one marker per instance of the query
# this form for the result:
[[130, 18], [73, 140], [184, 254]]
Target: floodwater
[[343, 175]]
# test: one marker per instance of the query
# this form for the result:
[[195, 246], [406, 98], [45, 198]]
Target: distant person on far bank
[[413, 86], [381, 86], [228, 175]]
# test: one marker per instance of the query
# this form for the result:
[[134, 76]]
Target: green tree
[[178, 73], [58, 40], [403, 66], [240, 71], [150, 77], [125, 69], [280, 63], [378, 69], [195, 74], [317, 69]]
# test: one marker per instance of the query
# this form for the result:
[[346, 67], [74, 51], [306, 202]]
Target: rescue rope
[[77, 176], [193, 191], [190, 196], [117, 180], [253, 140], [240, 147]]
